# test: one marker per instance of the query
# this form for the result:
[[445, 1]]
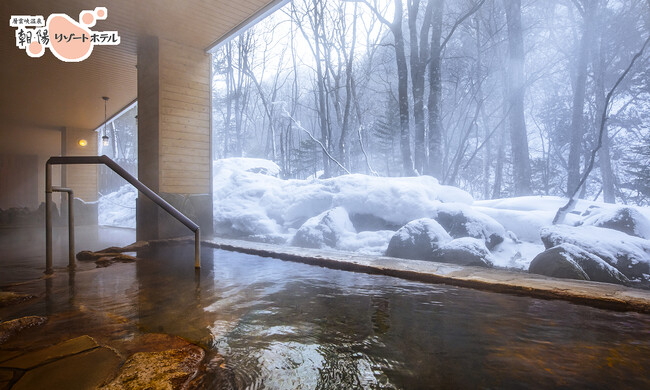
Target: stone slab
[[602, 295], [6, 355], [170, 369], [58, 351], [86, 370], [6, 375]]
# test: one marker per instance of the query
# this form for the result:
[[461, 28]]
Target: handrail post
[[197, 249], [71, 260], [48, 218], [70, 192]]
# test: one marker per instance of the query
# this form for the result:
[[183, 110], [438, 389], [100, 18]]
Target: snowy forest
[[440, 130], [500, 98]]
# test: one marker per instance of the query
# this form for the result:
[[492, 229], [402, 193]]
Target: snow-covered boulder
[[628, 254], [463, 221], [623, 219], [324, 230], [555, 263], [562, 259], [417, 240], [464, 251], [368, 222]]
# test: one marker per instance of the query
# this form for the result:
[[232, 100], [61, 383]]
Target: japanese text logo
[[67, 39]]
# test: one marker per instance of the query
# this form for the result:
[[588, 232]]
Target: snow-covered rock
[[556, 263], [525, 224], [628, 254], [369, 222], [623, 219], [324, 230], [464, 251], [417, 240], [462, 221], [560, 261]]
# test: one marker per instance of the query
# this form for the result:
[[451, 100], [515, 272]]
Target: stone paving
[[82, 363], [602, 295]]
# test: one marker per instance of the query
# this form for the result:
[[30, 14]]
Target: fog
[[499, 98]]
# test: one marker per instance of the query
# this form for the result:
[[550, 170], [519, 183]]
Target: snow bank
[[248, 202], [118, 208], [525, 224]]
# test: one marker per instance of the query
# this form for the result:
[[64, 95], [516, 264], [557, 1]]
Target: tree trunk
[[577, 114], [435, 93], [419, 57], [402, 90], [517, 124], [604, 159]]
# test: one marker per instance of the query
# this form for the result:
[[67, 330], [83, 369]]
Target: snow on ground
[[248, 203], [118, 208], [551, 204]]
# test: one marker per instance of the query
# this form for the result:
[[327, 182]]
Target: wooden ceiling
[[46, 92]]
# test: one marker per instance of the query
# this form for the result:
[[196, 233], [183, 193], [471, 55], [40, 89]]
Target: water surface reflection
[[287, 325], [283, 325]]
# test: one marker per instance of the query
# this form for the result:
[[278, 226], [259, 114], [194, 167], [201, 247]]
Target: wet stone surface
[[8, 298], [58, 351], [10, 328], [85, 370], [155, 361], [170, 369]]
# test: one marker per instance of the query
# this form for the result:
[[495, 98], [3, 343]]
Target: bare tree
[[516, 85], [587, 9], [402, 84]]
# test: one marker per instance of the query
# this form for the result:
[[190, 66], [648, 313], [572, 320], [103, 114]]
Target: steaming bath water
[[286, 325]]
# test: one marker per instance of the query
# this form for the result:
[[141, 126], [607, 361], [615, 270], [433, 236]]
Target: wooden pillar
[[173, 136]]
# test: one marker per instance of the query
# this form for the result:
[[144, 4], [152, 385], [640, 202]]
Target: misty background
[[498, 97]]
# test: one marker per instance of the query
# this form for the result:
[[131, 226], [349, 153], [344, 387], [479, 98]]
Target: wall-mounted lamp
[[105, 137], [82, 142]]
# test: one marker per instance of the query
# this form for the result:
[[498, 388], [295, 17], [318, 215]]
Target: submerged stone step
[[6, 377], [58, 351], [86, 370]]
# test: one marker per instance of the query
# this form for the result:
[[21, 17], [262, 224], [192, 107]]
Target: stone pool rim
[[596, 294]]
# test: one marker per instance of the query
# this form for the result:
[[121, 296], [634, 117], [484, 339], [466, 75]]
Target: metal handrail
[[126, 176], [71, 263]]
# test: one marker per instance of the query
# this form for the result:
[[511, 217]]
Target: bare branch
[[460, 21], [564, 210], [288, 115]]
